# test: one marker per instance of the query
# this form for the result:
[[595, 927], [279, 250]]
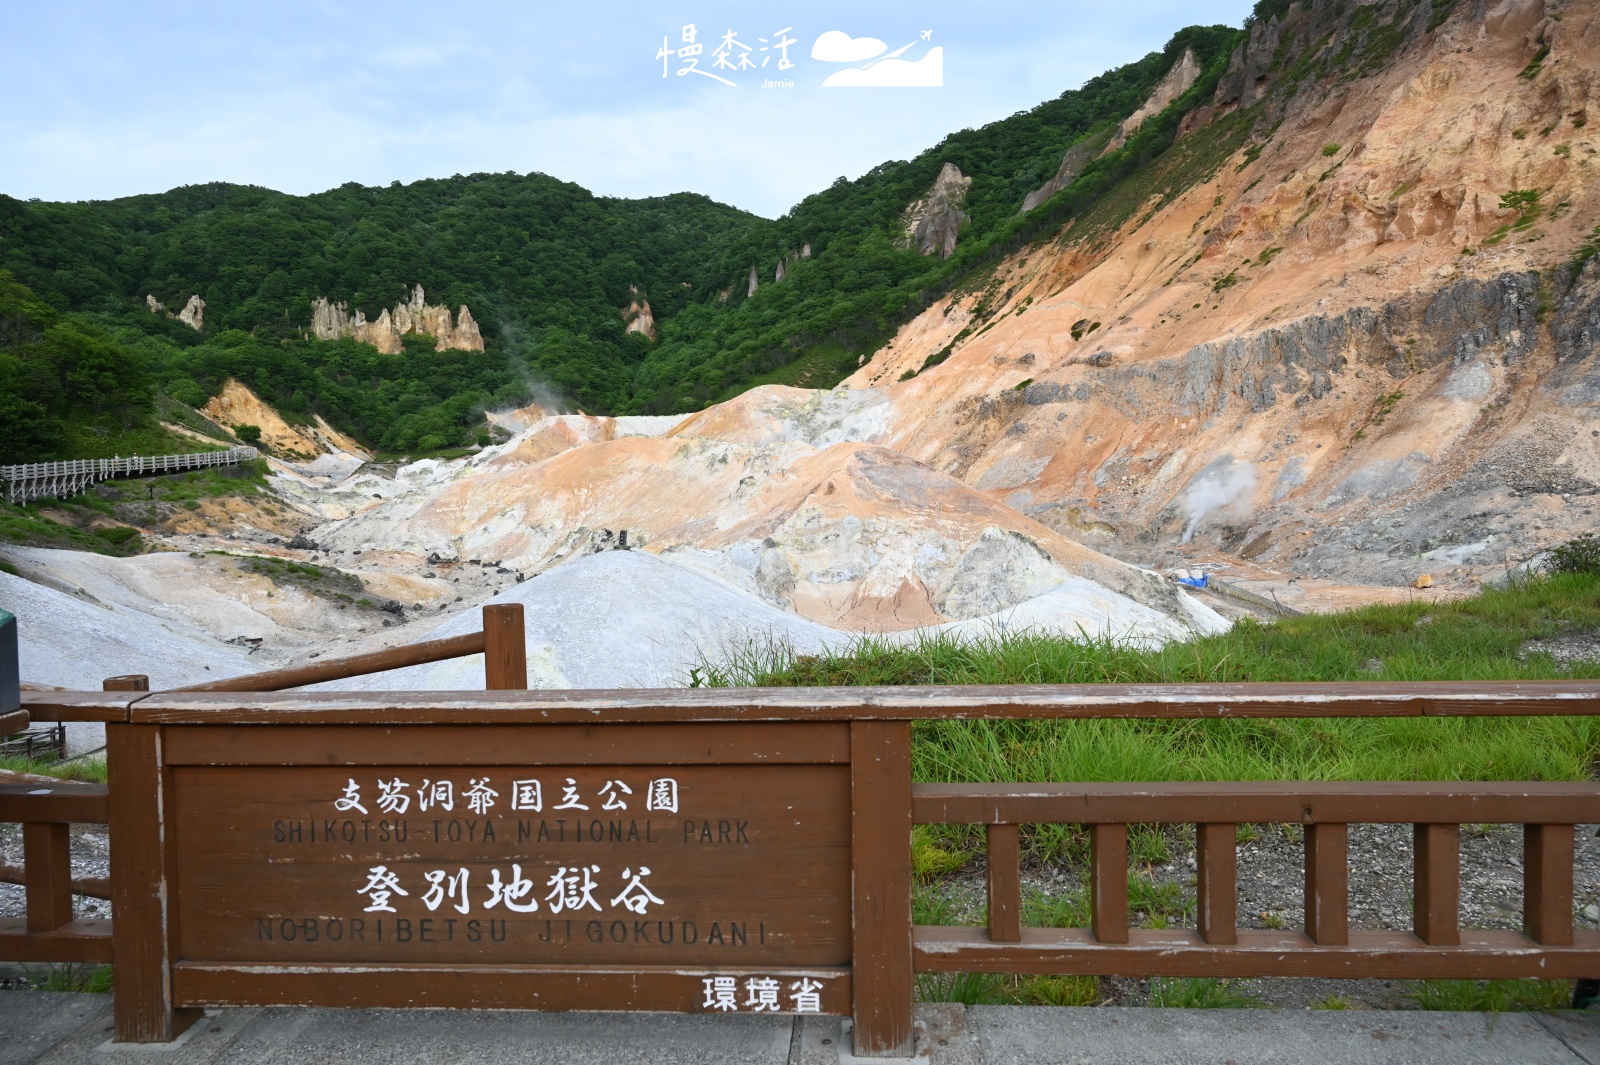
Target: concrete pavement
[[47, 1028]]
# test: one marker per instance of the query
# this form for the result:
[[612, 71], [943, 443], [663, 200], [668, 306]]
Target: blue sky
[[112, 99]]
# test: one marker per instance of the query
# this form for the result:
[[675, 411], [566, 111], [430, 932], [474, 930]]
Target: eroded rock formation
[[193, 314], [1174, 84], [933, 224], [331, 321], [1072, 163], [637, 314]]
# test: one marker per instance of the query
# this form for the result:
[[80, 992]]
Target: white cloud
[[836, 46], [924, 73]]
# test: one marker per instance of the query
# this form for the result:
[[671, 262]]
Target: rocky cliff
[[1172, 85], [1337, 333], [330, 321], [933, 224]]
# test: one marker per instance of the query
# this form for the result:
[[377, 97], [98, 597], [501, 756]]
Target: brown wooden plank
[[752, 865], [95, 887], [79, 706], [668, 988], [505, 649], [47, 859], [66, 802], [1375, 699], [128, 682], [1327, 905], [411, 654], [1181, 952], [140, 889], [1547, 883], [1437, 888], [880, 774], [13, 721], [1259, 802], [764, 743], [1005, 883], [86, 940], [1216, 882], [1108, 883]]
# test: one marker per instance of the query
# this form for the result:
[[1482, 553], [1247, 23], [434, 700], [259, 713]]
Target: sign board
[[727, 882]]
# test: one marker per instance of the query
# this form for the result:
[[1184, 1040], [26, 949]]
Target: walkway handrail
[[33, 480]]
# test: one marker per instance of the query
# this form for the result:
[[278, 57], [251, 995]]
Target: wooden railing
[[51, 932], [34, 480], [870, 731], [47, 811], [1433, 946]]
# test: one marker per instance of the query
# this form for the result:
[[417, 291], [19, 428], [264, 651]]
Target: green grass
[[1199, 993], [996, 989], [95, 979], [821, 367], [1491, 995], [88, 770], [86, 438], [1479, 638], [24, 525]]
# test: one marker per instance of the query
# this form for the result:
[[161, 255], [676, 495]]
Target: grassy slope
[[1474, 639]]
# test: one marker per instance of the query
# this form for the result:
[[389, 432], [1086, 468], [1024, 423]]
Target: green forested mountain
[[544, 266]]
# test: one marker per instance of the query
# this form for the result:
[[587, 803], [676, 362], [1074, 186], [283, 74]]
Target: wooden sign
[[728, 886]]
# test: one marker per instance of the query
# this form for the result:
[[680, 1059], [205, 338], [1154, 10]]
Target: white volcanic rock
[[844, 533], [617, 619], [629, 619], [67, 642]]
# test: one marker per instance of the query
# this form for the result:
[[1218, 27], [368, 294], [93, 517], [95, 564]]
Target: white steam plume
[[1222, 489]]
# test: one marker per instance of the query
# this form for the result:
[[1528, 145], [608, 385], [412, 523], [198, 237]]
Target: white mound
[[68, 643], [1081, 609], [629, 619], [618, 619]]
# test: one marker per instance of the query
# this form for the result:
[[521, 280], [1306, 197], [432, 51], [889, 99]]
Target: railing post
[[1108, 883], [128, 682], [1327, 885], [1216, 882], [505, 648], [880, 862], [1547, 883], [1437, 911], [140, 890], [1005, 883], [47, 863]]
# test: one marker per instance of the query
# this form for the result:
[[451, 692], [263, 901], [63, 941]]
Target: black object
[[1584, 992], [10, 676]]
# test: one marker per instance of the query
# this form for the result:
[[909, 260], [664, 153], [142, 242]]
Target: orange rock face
[[1344, 312]]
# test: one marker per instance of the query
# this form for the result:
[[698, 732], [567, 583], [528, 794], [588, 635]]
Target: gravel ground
[[1271, 885]]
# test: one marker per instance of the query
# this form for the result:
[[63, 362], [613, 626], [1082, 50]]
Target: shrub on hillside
[[1581, 555]]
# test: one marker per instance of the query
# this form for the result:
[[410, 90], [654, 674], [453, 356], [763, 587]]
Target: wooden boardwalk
[[34, 480]]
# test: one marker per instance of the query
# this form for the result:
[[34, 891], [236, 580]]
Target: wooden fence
[[774, 874], [35, 480]]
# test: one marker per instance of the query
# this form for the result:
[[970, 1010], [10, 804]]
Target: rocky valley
[[1314, 312]]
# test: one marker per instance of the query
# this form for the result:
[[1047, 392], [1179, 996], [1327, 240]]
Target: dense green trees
[[56, 374], [545, 266]]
